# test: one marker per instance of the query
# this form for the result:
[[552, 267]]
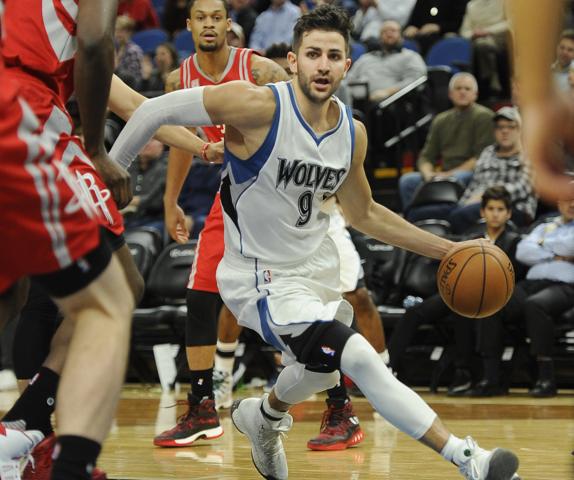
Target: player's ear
[[347, 66], [482, 213], [188, 24], [228, 27], [292, 59]]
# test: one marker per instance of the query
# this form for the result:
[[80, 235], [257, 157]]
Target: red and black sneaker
[[340, 429], [200, 421], [41, 466]]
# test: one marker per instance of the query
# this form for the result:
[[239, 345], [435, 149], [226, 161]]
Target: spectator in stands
[[485, 24], [456, 136], [243, 13], [501, 163], [148, 177], [174, 16], [538, 301], [235, 36], [495, 210], [141, 12], [274, 25], [389, 69], [399, 10], [564, 57], [166, 60], [129, 56], [432, 19], [366, 21]]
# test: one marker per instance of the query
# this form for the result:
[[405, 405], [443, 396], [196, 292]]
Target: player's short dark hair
[[325, 17], [278, 50], [568, 33], [192, 2], [496, 193]]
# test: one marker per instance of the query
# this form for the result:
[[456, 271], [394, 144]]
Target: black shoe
[[460, 384], [543, 388], [486, 389]]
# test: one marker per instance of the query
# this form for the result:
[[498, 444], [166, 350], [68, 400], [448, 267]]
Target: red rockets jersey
[[238, 68], [40, 39]]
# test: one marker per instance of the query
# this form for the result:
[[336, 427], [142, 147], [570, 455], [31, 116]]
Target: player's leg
[[541, 309], [394, 401], [203, 306], [227, 340], [90, 383], [340, 426], [200, 420], [12, 301]]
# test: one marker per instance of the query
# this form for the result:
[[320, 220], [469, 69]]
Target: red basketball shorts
[[46, 223], [209, 251]]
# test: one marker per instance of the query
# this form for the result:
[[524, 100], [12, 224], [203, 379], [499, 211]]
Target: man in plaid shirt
[[501, 163]]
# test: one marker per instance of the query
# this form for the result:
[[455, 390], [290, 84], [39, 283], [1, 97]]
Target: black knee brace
[[202, 314], [38, 322], [320, 347]]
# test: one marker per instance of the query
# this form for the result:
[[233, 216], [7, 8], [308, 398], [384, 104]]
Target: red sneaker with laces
[[41, 466], [200, 421], [340, 429]]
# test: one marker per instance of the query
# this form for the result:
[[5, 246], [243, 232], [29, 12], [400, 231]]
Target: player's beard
[[209, 47], [305, 85]]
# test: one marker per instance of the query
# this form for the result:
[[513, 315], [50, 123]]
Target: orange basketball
[[475, 281]]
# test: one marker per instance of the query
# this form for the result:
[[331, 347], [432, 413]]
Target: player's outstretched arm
[[93, 70], [124, 101], [241, 105], [377, 221]]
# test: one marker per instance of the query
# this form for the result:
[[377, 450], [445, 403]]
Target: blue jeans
[[409, 182]]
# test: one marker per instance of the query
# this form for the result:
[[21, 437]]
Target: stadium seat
[[455, 53], [162, 320], [438, 79], [357, 49], [411, 45], [443, 190], [148, 40], [183, 42], [145, 244]]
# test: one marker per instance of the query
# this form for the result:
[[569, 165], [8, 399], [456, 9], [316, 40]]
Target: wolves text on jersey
[[309, 175]]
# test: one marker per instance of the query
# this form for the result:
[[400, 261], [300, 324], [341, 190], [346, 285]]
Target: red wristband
[[204, 152]]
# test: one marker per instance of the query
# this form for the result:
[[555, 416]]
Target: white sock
[[271, 415], [393, 400], [385, 356], [453, 451], [225, 364]]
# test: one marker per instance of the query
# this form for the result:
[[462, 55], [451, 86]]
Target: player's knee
[[361, 300], [323, 380], [358, 356], [202, 313]]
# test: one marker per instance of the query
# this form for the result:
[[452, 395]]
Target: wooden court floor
[[541, 432]]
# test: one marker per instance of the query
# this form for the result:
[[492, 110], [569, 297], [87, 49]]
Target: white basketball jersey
[[272, 201]]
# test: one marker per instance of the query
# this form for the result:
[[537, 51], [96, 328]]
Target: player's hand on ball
[[116, 178]]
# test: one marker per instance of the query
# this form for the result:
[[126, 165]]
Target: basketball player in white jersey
[[294, 146]]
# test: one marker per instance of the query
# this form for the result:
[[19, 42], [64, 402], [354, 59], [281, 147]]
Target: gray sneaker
[[267, 449], [222, 389], [497, 464]]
